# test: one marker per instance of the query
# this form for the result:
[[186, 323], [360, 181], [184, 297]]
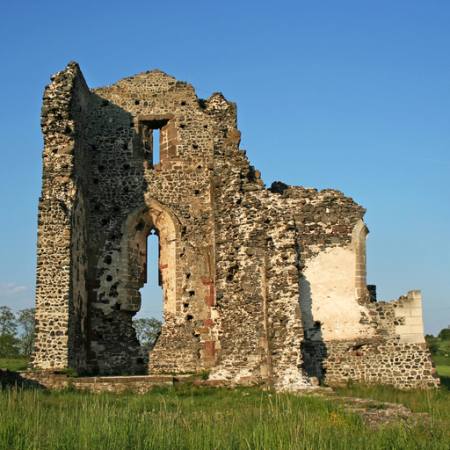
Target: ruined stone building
[[260, 285]]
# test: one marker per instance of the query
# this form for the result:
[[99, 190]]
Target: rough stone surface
[[260, 285]]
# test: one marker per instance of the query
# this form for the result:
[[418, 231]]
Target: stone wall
[[60, 294], [259, 285], [379, 361]]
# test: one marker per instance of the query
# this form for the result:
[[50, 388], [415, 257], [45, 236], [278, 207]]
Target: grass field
[[442, 362], [443, 371], [13, 364], [188, 417], [208, 418]]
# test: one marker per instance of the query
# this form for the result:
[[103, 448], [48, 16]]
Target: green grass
[[435, 403], [441, 356], [441, 360], [443, 371], [432, 401], [187, 417], [13, 364], [201, 418], [442, 363]]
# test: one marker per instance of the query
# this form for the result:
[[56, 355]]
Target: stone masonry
[[260, 285]]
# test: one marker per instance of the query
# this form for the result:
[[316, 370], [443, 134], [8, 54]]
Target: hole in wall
[[156, 145], [148, 319], [150, 133]]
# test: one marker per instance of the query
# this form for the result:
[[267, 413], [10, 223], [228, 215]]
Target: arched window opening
[[148, 320], [149, 259]]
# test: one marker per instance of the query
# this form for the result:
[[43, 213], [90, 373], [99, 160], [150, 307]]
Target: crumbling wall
[[180, 182], [259, 285], [60, 287], [379, 361], [408, 318], [396, 354], [239, 254]]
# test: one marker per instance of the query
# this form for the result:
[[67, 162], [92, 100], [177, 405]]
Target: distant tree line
[[435, 343], [17, 332]]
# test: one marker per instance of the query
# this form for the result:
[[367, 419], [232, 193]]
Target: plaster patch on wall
[[327, 293]]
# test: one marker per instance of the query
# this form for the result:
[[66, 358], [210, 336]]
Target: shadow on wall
[[313, 348], [113, 183]]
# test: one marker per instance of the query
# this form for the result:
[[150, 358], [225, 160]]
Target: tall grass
[[434, 402], [196, 418]]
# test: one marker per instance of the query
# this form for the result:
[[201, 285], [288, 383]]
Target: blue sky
[[353, 95]]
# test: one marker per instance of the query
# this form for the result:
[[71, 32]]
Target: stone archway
[[180, 346], [154, 217]]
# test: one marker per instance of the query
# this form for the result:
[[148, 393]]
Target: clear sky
[[348, 94]]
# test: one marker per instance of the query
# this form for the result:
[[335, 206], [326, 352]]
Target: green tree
[[147, 331], [433, 343], [9, 344], [444, 334], [8, 323], [25, 319]]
